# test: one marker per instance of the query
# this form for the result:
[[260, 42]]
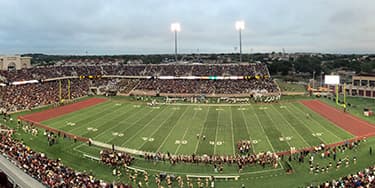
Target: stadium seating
[[132, 79]]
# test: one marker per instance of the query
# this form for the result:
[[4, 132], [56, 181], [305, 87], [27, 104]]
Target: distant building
[[362, 85], [14, 62], [135, 61]]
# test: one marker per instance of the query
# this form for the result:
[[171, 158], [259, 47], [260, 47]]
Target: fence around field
[[117, 148], [215, 177]]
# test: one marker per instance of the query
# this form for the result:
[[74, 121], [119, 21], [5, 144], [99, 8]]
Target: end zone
[[62, 110], [346, 121]]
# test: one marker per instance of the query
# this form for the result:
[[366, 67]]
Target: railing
[[215, 177]]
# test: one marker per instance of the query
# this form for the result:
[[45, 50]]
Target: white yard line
[[319, 123], [261, 126], [217, 128], [133, 124], [251, 140], [174, 126], [156, 130], [291, 126], [196, 146], [110, 119], [118, 124], [231, 125], [268, 140], [273, 122], [178, 147], [96, 115], [76, 148], [140, 130], [183, 137], [74, 116], [304, 124]]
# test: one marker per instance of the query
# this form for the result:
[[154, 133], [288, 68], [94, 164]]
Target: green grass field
[[271, 120], [174, 128], [290, 87]]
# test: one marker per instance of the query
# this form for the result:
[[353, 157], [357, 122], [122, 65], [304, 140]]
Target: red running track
[[348, 122], [62, 110]]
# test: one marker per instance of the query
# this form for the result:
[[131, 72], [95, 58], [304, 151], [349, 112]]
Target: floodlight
[[175, 27], [240, 25]]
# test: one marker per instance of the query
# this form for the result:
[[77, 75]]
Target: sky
[[207, 26]]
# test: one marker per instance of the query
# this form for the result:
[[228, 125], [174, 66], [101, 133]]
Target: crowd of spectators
[[50, 172], [122, 85], [262, 159], [335, 158], [41, 73], [114, 158], [209, 86], [364, 178], [27, 96]]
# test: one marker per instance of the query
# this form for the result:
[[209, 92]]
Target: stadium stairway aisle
[[17, 175]]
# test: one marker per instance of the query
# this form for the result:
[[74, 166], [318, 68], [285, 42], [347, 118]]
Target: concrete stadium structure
[[14, 62]]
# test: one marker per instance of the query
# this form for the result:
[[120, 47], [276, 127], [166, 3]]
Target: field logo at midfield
[[286, 138], [197, 108], [70, 124], [219, 109], [176, 108], [263, 108], [282, 106], [92, 129], [317, 134], [241, 109], [117, 104], [181, 142], [155, 107], [148, 139], [136, 106], [218, 143], [117, 134]]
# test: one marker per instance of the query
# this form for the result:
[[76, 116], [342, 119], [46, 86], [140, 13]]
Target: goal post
[[67, 89], [343, 90], [335, 81]]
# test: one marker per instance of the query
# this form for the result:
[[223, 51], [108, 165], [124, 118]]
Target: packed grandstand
[[23, 89]]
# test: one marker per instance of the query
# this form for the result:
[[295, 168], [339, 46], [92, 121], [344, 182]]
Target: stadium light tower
[[240, 25], [175, 27]]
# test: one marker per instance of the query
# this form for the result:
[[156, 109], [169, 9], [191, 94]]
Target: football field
[[201, 129]]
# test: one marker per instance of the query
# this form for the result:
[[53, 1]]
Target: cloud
[[127, 26]]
